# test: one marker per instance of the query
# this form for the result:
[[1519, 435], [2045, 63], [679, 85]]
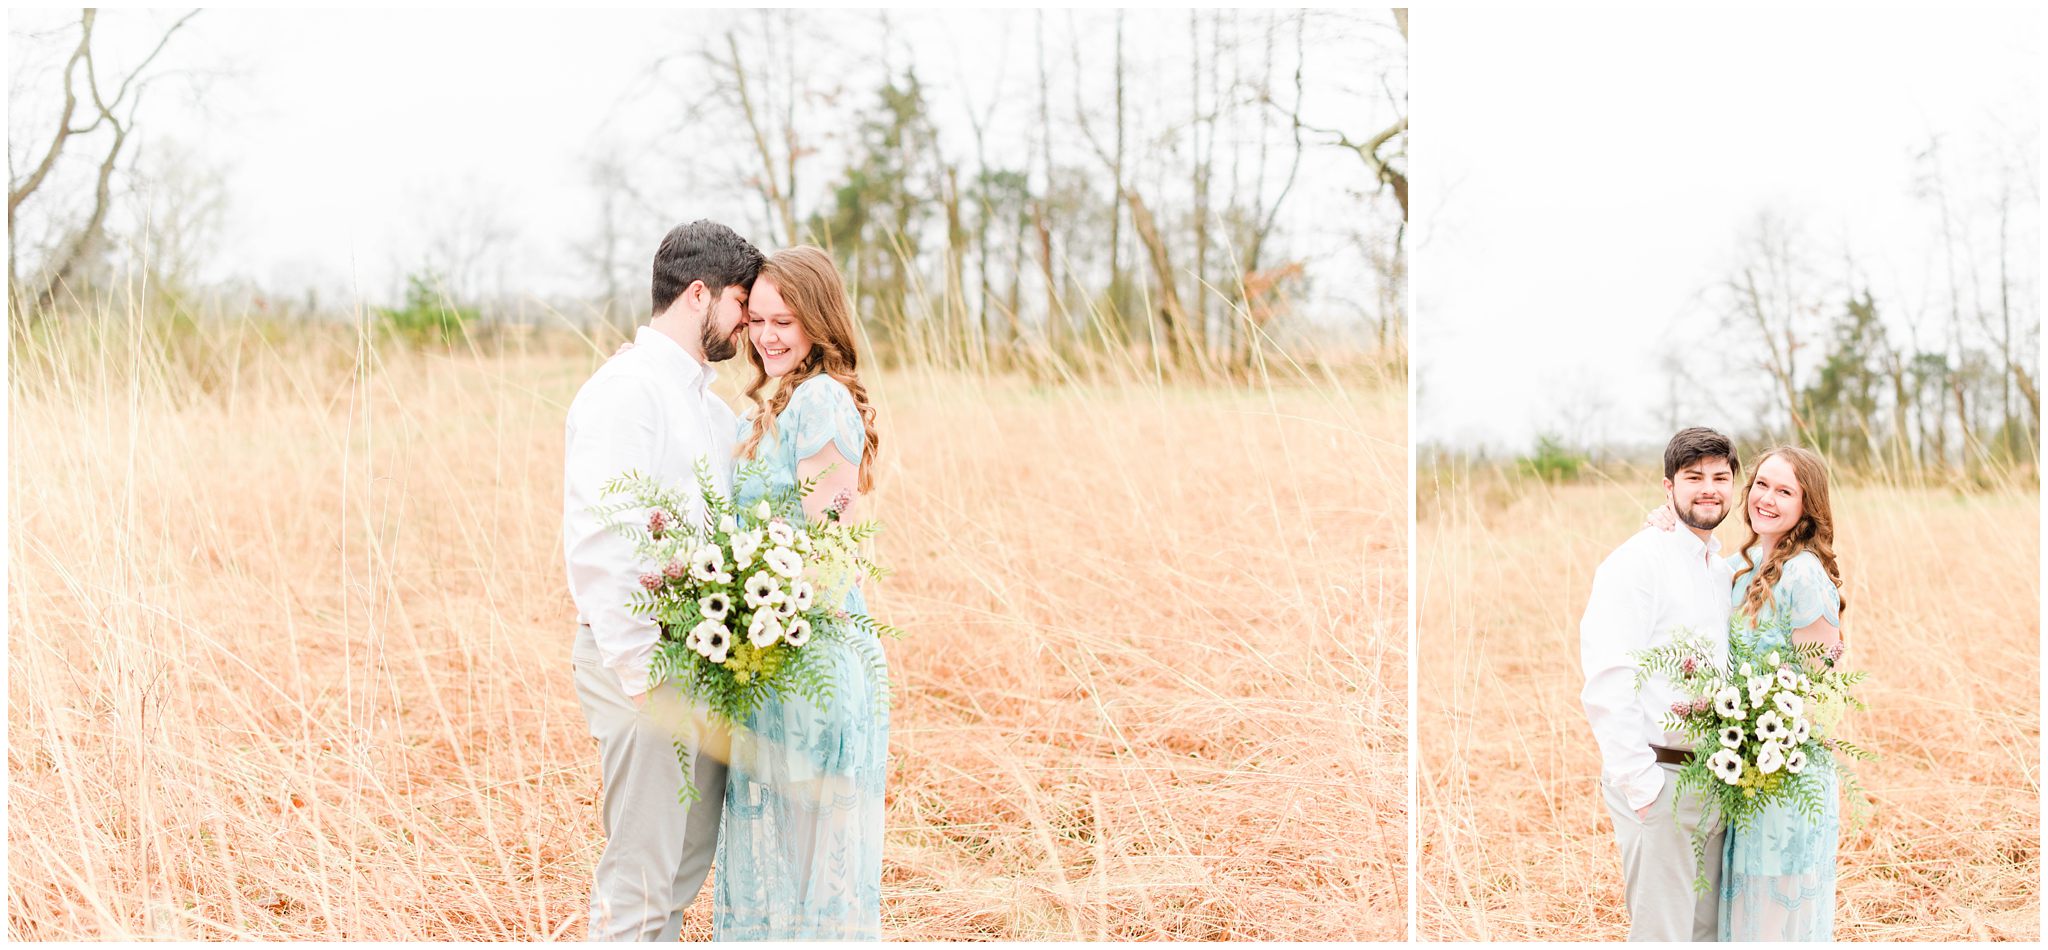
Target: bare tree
[[978, 122], [179, 203], [769, 112], [1767, 297], [1385, 153], [1264, 214], [612, 250], [468, 238], [1178, 336], [1054, 312], [117, 113]]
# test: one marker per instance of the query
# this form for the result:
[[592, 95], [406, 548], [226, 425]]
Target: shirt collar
[[1693, 546], [665, 350]]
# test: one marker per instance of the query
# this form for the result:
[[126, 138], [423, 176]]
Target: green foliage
[[724, 670], [1756, 680], [1842, 401], [878, 207], [427, 317], [1553, 461]]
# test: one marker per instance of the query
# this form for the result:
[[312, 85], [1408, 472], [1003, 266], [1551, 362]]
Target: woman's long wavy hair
[[809, 282], [1815, 531]]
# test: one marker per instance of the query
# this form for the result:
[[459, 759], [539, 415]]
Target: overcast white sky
[[348, 135], [1582, 178]]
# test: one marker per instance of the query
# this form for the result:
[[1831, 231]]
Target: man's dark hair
[[707, 251], [1698, 442]]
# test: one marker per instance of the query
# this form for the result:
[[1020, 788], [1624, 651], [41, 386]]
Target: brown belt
[[1670, 756]]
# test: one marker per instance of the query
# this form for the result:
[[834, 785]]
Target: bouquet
[[744, 597], [1763, 725]]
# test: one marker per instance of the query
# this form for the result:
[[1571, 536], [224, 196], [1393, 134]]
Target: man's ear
[[699, 294], [1667, 488]]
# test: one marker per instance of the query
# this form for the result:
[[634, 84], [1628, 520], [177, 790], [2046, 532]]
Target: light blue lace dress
[[800, 847], [1778, 875]]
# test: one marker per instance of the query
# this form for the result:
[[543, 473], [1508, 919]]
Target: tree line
[[1096, 190]]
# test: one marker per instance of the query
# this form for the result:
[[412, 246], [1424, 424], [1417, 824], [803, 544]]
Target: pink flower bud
[[657, 523], [1681, 708], [1690, 666], [651, 581], [676, 569], [840, 503], [1702, 704]]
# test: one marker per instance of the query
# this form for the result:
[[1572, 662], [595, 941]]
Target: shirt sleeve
[[1617, 620], [613, 428], [1808, 593], [822, 411]]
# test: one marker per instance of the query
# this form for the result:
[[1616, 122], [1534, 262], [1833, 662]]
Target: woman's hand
[[1661, 518]]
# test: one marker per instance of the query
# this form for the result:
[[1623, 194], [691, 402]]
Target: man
[[1655, 584], [651, 410]]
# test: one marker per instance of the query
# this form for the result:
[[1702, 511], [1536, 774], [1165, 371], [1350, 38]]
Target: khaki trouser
[[1657, 864], [657, 851]]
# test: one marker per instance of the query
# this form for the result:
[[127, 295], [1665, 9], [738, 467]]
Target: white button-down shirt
[[1656, 583], [651, 410]]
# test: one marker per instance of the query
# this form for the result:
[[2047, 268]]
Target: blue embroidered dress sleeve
[[1805, 593], [821, 411]]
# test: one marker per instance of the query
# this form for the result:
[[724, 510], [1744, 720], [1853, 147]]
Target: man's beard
[[1686, 515], [717, 349]]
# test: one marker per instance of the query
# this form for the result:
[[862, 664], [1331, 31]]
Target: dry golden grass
[[288, 650], [1944, 614]]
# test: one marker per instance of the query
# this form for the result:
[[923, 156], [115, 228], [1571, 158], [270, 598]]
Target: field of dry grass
[[288, 649], [1944, 613]]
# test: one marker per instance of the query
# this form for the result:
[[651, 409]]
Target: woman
[[800, 849], [1778, 874]]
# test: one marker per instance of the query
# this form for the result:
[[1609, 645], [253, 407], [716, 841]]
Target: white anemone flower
[[780, 533], [762, 511], [1770, 728], [1726, 765], [1787, 679], [803, 544], [712, 640], [1731, 737], [744, 545], [1796, 761], [727, 524], [1759, 687], [797, 633], [1772, 660], [1801, 732], [1770, 759], [765, 630], [801, 594], [761, 591], [1790, 704], [784, 561], [715, 605], [1728, 703], [1746, 672], [707, 562], [706, 635]]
